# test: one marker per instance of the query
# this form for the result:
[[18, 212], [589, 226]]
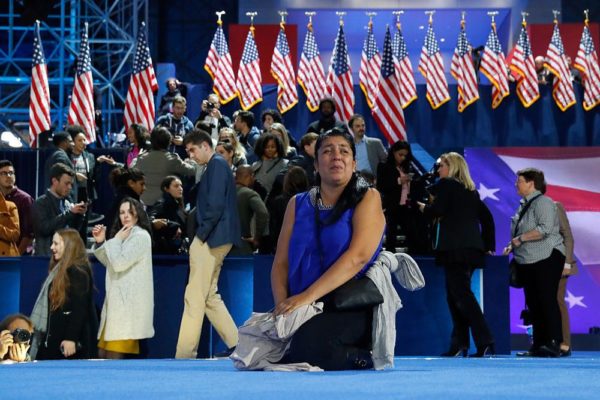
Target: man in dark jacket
[[63, 144], [218, 229]]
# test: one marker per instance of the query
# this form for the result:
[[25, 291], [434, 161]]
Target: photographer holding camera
[[211, 115], [15, 334]]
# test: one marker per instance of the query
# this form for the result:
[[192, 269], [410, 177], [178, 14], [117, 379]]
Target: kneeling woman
[[64, 315], [128, 309], [330, 234]]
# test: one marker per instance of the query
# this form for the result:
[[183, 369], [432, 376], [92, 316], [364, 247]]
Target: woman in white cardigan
[[128, 308]]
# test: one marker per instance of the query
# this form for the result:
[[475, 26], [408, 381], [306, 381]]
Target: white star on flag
[[485, 192], [574, 300]]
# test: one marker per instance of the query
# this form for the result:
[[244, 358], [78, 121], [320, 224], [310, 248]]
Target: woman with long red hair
[[64, 314]]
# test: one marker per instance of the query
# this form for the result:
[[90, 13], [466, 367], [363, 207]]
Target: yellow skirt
[[128, 346]]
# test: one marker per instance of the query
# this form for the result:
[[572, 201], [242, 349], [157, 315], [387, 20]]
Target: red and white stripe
[[139, 105], [39, 103], [493, 66], [432, 68], [311, 75], [523, 64], [283, 72], [370, 66], [463, 71], [249, 79], [406, 79], [587, 63], [342, 90], [81, 110], [557, 64], [220, 69]]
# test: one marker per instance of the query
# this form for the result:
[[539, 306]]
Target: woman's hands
[[292, 303], [18, 352], [124, 232], [68, 348], [99, 233], [6, 341]]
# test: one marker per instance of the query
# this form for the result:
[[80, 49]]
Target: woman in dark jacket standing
[[64, 316], [463, 234], [127, 182], [169, 218]]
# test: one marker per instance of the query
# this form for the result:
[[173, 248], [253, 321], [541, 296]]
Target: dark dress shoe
[[527, 353], [359, 359], [484, 351], [565, 353], [455, 352], [549, 350]]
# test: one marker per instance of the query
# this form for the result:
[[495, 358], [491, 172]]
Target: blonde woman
[[460, 246], [227, 135]]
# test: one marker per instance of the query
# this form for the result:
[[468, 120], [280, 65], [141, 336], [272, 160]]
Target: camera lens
[[21, 335]]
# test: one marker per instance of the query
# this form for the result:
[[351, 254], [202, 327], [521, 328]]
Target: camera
[[21, 335], [209, 105]]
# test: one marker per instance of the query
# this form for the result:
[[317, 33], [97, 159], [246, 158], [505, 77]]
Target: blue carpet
[[503, 377]]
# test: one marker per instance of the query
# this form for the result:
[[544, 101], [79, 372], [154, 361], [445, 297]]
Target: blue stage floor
[[577, 377]]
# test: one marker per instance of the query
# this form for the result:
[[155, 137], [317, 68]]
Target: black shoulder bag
[[356, 294]]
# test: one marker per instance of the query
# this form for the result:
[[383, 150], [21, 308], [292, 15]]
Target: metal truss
[[113, 27]]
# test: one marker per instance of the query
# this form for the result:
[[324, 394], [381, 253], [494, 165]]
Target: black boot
[[484, 351]]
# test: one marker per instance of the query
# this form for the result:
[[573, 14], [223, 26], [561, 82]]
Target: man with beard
[[327, 121]]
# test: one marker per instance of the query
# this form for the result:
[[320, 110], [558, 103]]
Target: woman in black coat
[[399, 191], [126, 182], [72, 323], [169, 218], [463, 234]]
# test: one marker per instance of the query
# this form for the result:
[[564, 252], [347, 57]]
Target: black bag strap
[[522, 213]]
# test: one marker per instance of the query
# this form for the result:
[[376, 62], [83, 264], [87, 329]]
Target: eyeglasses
[[7, 173]]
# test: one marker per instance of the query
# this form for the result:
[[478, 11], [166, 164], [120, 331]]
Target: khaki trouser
[[564, 311], [201, 298]]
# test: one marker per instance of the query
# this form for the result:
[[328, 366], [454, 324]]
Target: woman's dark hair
[[120, 176], [227, 146], [357, 186], [535, 175], [295, 181], [143, 220], [273, 113], [261, 143], [160, 138], [141, 136], [166, 182], [400, 145]]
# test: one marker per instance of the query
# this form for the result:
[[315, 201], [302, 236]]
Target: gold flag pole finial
[[556, 14], [341, 15], [310, 15], [252, 14], [587, 17], [219, 15], [371, 15], [398, 14], [430, 13], [524, 15], [493, 15]]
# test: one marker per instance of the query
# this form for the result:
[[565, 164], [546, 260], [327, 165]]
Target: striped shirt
[[542, 217]]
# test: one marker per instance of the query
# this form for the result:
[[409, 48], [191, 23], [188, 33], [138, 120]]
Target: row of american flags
[[139, 104], [386, 78]]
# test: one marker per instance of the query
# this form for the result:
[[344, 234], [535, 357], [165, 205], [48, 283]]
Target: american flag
[[404, 70], [249, 80], [139, 106], [587, 62], [218, 66], [310, 72], [339, 78], [39, 98], [370, 65], [523, 65], [431, 66], [283, 72], [463, 71], [387, 109], [557, 64], [81, 110], [493, 65]]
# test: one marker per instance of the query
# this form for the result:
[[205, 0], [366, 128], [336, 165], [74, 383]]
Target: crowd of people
[[325, 207]]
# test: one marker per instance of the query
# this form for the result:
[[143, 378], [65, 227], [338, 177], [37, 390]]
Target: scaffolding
[[113, 28]]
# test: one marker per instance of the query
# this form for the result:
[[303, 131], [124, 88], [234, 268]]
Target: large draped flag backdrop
[[587, 62], [556, 62], [493, 66], [139, 105], [572, 178], [81, 110], [339, 78], [218, 66], [39, 96], [283, 72], [249, 79], [431, 65], [463, 70], [387, 109], [523, 65], [370, 65]]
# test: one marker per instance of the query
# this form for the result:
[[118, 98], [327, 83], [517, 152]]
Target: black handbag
[[515, 278], [356, 294]]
